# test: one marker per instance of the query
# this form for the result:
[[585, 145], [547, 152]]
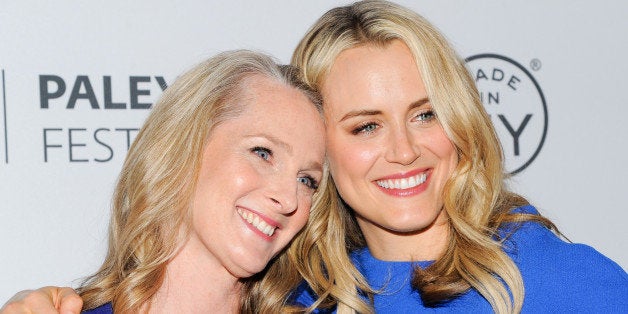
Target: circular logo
[[515, 102]]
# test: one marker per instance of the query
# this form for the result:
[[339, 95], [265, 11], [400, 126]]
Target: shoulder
[[103, 309], [535, 241], [574, 276], [304, 297]]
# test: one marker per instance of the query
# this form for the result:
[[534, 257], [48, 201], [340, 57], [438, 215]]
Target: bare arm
[[46, 300]]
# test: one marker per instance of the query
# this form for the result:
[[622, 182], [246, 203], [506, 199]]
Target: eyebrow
[[275, 140], [357, 113], [314, 165]]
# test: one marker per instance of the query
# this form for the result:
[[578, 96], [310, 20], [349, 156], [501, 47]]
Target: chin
[[409, 223], [248, 272], [408, 229], [249, 266]]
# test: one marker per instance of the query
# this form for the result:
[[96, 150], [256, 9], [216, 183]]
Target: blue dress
[[559, 277], [103, 309]]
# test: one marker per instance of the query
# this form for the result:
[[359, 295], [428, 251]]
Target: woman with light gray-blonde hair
[[219, 180], [153, 202], [422, 219]]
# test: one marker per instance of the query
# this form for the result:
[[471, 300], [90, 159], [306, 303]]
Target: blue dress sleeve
[[566, 277]]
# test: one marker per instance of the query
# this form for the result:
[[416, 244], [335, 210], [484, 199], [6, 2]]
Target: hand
[[46, 300]]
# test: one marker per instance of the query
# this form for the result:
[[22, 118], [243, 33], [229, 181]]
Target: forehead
[[271, 98], [369, 61], [373, 75], [273, 108]]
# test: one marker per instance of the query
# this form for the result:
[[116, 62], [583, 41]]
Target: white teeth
[[256, 222], [269, 230], [405, 183]]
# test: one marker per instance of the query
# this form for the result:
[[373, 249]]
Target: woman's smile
[[405, 184], [259, 223]]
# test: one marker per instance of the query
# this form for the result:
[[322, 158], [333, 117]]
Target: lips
[[257, 222], [405, 184]]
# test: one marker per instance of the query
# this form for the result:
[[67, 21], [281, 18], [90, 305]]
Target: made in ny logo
[[515, 102]]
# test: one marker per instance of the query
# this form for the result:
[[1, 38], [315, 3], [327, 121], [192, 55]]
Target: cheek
[[444, 149], [301, 217], [350, 158]]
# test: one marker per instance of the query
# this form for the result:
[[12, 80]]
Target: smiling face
[[258, 174], [388, 154]]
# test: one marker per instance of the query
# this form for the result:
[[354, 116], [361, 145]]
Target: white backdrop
[[79, 58]]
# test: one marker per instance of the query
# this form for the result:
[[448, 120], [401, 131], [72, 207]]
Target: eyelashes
[[309, 181], [426, 115], [367, 127], [262, 152]]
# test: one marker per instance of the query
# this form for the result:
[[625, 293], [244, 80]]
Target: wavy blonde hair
[[475, 197], [152, 199]]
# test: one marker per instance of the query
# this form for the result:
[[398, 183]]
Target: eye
[[262, 152], [309, 182], [367, 127], [425, 116]]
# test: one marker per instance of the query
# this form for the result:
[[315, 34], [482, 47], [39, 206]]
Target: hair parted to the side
[[150, 216], [475, 197]]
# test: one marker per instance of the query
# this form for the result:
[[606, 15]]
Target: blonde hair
[[150, 211], [475, 197]]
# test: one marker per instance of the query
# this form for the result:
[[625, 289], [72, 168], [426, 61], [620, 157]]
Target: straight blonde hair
[[475, 197], [150, 216]]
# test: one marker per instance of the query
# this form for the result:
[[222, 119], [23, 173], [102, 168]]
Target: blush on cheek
[[350, 153], [305, 215], [301, 226], [366, 155]]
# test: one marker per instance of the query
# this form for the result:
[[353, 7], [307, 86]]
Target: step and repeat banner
[[79, 77]]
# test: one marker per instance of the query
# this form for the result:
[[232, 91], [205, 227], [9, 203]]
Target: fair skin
[[266, 174], [380, 128], [389, 156]]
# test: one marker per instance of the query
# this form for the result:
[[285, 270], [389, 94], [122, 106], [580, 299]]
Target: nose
[[283, 194], [402, 147]]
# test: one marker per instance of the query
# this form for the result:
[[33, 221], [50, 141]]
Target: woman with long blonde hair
[[219, 180], [420, 217]]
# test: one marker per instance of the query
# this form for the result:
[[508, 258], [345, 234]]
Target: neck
[[423, 245], [196, 283]]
